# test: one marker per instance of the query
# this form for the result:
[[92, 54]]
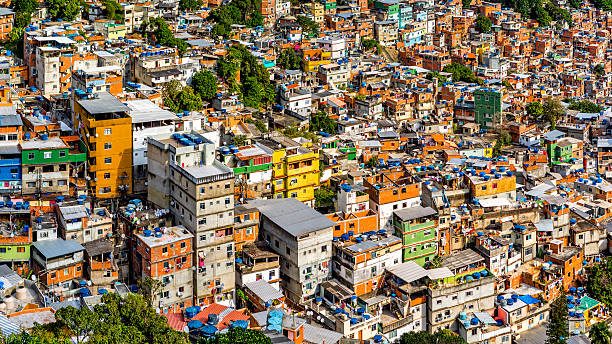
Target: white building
[[335, 45]]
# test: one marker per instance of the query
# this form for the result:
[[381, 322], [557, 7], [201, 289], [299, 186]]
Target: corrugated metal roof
[[293, 216], [264, 290], [8, 327], [414, 213], [73, 212], [408, 271], [319, 335], [58, 247]]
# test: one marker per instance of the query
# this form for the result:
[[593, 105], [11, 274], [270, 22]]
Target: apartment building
[[58, 262], [10, 151], [45, 163], [103, 124], [488, 107], [295, 171], [302, 238], [166, 255], [7, 18], [15, 243], [334, 74], [246, 225], [468, 290], [391, 191], [268, 11], [148, 120], [417, 227], [99, 79], [257, 262], [77, 222], [386, 32], [361, 264], [201, 198], [497, 185], [252, 166]]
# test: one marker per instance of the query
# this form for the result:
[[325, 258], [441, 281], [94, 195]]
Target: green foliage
[[600, 333], [503, 139], [178, 99], [239, 336], [322, 122], [507, 84], [244, 12], [204, 83], [557, 331], [440, 337], [64, 9], [461, 73], [603, 4], [24, 6], [575, 3], [543, 14], [190, 5], [324, 198], [254, 83], [599, 69], [552, 110], [599, 282], [112, 10], [372, 162], [240, 140], [308, 25], [149, 287], [535, 110], [369, 44], [559, 14], [431, 75], [22, 19], [288, 59], [117, 320], [15, 41], [483, 24], [586, 106], [261, 126], [293, 132], [164, 36], [466, 3]]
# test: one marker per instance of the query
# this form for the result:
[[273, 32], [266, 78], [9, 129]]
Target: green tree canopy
[[369, 44], [238, 335], [552, 110], [244, 12], [25, 6], [599, 282], [64, 9], [483, 24], [557, 331], [288, 59], [322, 122], [324, 198], [586, 106], [178, 99], [190, 5], [204, 83], [599, 69], [435, 75], [535, 110], [462, 73], [164, 36], [600, 333], [308, 25], [112, 10]]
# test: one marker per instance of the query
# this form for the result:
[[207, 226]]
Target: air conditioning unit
[[179, 293]]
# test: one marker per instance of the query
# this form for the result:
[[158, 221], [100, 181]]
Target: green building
[[388, 7], [418, 230], [487, 108], [561, 149]]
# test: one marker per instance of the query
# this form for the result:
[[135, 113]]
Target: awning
[[494, 202]]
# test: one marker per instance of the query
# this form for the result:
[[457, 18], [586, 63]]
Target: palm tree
[[600, 333]]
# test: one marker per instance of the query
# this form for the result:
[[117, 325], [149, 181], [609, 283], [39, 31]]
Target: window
[[164, 250], [106, 175], [288, 250], [108, 145], [202, 205], [108, 160], [66, 272], [108, 131], [62, 154], [20, 249], [30, 156], [61, 182]]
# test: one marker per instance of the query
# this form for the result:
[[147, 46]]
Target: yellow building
[[313, 58], [492, 185], [105, 127], [295, 169], [317, 11]]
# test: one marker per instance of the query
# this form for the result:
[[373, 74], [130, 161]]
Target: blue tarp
[[528, 299]]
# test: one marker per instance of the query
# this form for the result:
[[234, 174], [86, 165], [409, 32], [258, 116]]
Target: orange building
[[354, 223], [58, 262], [7, 17], [246, 225], [570, 259], [165, 255]]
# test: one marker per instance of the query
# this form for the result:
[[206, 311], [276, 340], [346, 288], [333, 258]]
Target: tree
[[535, 110], [369, 44], [599, 69], [431, 75], [483, 24], [552, 110], [557, 331], [322, 122], [64, 9], [239, 335], [204, 83], [24, 6], [261, 126], [599, 282], [240, 140], [577, 4], [288, 59], [188, 100], [586, 106], [440, 337], [190, 5], [112, 10], [462, 73], [372, 162], [149, 287], [80, 322], [600, 333], [466, 3], [15, 41], [308, 25], [324, 198], [164, 36]]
